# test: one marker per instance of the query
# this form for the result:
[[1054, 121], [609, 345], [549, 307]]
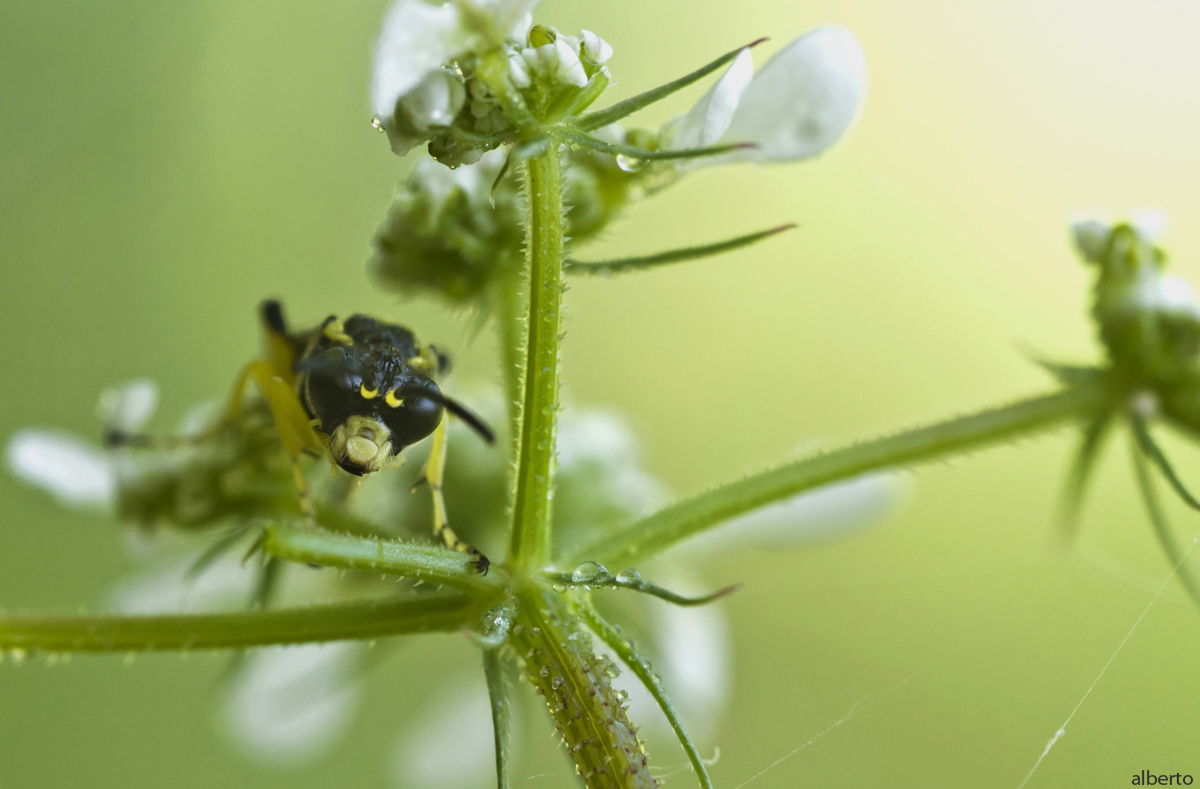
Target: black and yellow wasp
[[357, 392]]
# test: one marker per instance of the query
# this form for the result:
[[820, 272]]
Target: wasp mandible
[[357, 392]]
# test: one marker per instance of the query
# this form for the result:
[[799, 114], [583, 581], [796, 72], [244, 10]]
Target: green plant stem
[[579, 695], [431, 563], [530, 546], [435, 612], [691, 516], [630, 657], [510, 336]]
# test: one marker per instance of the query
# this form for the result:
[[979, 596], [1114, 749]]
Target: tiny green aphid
[[357, 392]]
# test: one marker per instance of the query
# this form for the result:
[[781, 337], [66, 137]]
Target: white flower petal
[[72, 470], [128, 406], [450, 745], [289, 704], [803, 100], [416, 38], [709, 118], [1090, 231], [1150, 223], [435, 100], [825, 514], [596, 48], [569, 69]]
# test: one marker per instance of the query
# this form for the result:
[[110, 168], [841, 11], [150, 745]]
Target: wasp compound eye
[[414, 418]]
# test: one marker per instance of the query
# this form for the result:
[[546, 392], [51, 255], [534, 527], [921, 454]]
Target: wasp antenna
[[272, 314], [461, 411]]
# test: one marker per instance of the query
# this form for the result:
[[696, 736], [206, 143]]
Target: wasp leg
[[435, 469], [292, 424]]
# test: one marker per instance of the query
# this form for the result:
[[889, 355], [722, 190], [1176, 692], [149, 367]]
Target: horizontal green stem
[[621, 109], [691, 516], [434, 612], [622, 265], [427, 562], [581, 140]]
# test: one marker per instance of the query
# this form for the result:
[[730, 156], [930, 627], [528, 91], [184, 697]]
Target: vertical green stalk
[[530, 545], [510, 335]]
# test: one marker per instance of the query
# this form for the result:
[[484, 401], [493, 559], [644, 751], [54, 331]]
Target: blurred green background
[[166, 166]]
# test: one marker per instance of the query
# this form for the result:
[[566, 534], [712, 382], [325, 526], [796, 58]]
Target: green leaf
[[1158, 519], [427, 562], [419, 613], [622, 265], [633, 581], [621, 109], [683, 519], [1141, 431], [498, 693], [1081, 471]]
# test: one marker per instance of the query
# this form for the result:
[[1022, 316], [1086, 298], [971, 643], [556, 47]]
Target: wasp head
[[370, 404]]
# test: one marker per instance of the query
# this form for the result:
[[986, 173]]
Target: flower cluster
[[504, 86]]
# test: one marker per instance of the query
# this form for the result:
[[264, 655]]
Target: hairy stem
[[625, 649], [510, 336], [579, 694], [691, 516], [530, 546], [427, 562], [440, 612]]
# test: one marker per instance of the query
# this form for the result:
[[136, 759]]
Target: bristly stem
[[530, 546], [510, 336], [424, 561], [628, 653], [434, 612], [691, 516]]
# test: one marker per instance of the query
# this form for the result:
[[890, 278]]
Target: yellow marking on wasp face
[[368, 394], [392, 400]]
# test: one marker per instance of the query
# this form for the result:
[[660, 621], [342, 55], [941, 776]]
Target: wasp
[[355, 391]]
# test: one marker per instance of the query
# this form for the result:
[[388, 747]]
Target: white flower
[[418, 38], [557, 62], [595, 48], [127, 407], [450, 745], [72, 470], [1091, 229], [288, 705], [800, 103]]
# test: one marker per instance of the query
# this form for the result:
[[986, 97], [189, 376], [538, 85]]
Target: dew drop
[[545, 672], [588, 571], [622, 695], [18, 656], [377, 125], [631, 164], [629, 576]]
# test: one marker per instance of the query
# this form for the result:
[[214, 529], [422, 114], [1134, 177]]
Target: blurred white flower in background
[[449, 744], [806, 98], [289, 705]]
